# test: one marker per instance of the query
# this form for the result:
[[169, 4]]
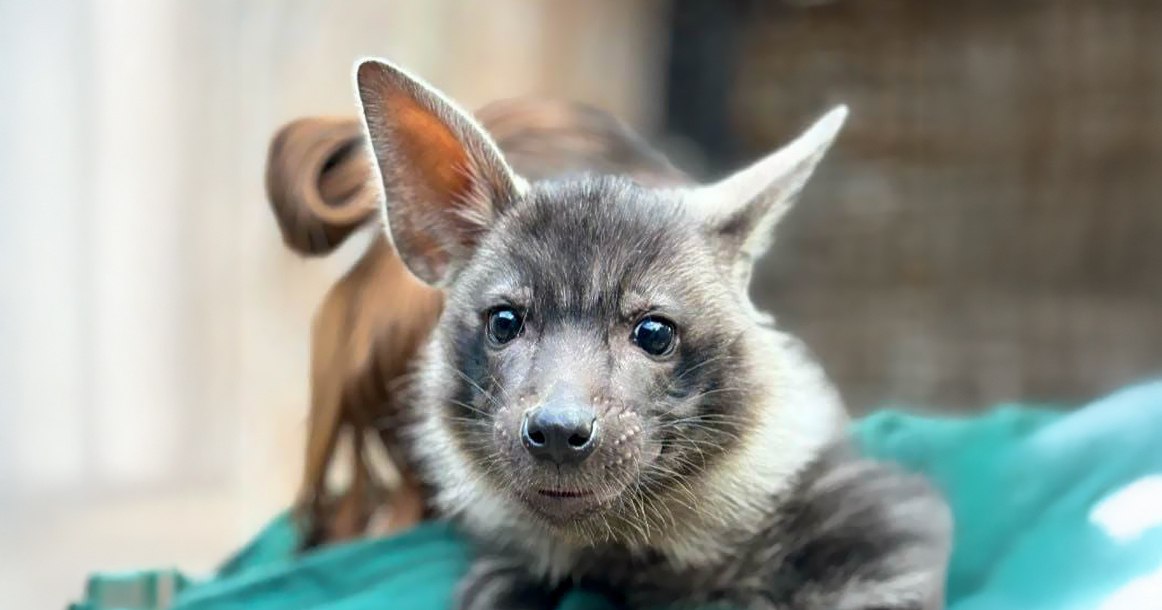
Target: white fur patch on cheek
[[457, 485], [800, 413]]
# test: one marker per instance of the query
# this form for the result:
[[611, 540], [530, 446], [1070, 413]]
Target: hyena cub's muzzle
[[562, 431]]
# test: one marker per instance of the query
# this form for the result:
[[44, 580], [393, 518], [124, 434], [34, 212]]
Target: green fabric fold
[[1023, 481]]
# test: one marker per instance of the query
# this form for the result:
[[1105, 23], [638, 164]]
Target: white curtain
[[153, 329]]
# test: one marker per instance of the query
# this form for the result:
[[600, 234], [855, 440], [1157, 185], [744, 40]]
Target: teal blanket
[[1054, 510]]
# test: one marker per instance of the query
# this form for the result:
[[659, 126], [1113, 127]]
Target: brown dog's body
[[370, 324]]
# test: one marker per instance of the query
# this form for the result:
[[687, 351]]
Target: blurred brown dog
[[320, 185]]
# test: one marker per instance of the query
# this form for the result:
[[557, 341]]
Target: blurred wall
[[986, 227], [153, 329]]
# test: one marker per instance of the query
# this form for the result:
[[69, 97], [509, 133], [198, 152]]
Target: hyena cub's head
[[598, 357]]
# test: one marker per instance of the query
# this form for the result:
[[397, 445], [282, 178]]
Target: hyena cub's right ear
[[444, 179]]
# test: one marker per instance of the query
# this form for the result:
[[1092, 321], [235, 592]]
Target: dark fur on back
[[716, 469], [845, 533], [832, 542]]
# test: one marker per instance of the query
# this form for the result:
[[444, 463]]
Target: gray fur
[[721, 473]]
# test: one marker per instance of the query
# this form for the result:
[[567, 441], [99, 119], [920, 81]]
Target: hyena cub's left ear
[[444, 179], [740, 212]]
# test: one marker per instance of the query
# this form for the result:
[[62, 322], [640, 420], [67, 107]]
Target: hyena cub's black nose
[[565, 435]]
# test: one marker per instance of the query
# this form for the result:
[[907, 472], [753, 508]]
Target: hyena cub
[[602, 406]]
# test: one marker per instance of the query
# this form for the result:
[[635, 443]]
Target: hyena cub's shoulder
[[601, 402]]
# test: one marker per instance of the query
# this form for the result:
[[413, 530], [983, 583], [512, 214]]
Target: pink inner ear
[[436, 155], [441, 175], [437, 165]]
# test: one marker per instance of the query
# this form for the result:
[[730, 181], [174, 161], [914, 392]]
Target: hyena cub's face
[[588, 350], [597, 350]]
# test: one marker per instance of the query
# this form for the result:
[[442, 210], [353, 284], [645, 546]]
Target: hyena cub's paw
[[495, 584]]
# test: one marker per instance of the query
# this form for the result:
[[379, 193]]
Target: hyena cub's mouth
[[564, 493], [563, 505]]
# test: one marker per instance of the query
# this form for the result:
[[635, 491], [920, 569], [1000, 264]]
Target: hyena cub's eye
[[504, 325], [654, 335]]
